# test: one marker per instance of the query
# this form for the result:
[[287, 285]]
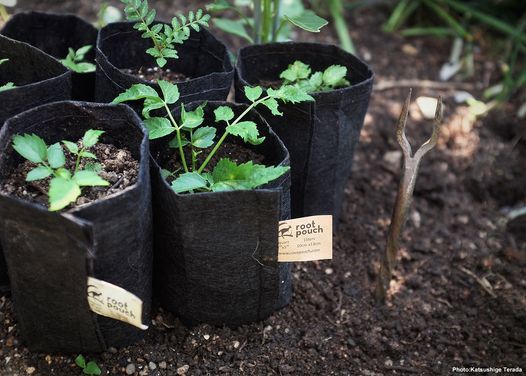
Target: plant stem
[[149, 31], [257, 21], [275, 20], [192, 149], [267, 20], [77, 162], [178, 133], [223, 137], [337, 13]]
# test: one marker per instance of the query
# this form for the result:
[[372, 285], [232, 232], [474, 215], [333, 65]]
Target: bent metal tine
[[405, 193]]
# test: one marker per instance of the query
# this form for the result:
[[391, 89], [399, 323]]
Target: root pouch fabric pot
[[54, 34], [202, 58], [216, 253], [50, 254], [321, 136], [39, 79]]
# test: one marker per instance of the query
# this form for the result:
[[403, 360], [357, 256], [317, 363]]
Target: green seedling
[[192, 135], [75, 60], [300, 75], [65, 186], [164, 37], [9, 85], [89, 368]]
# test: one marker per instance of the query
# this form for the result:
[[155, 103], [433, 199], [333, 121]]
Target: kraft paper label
[[305, 239], [115, 302]]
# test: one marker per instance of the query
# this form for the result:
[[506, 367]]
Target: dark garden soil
[[156, 73], [459, 293], [117, 166]]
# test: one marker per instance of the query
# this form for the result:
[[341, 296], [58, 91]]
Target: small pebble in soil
[[329, 271], [30, 370], [236, 344], [152, 366], [130, 369], [206, 336], [182, 370], [163, 365]]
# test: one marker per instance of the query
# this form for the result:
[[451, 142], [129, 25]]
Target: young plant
[[9, 85], [164, 37], [301, 76], [89, 368], [65, 185], [266, 21], [191, 135], [75, 60]]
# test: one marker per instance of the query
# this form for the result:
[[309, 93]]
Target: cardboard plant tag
[[115, 302], [305, 239]]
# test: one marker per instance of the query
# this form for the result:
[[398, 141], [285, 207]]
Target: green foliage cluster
[[191, 134], [164, 37], [300, 75], [89, 368], [65, 185], [9, 85], [75, 60]]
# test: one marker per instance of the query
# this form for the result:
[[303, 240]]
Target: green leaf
[[55, 156], [166, 173], [289, 93], [87, 154], [7, 86], [334, 75], [170, 91], [82, 51], [273, 106], [253, 93], [161, 61], [192, 119], [89, 178], [151, 104], [83, 67], [91, 137], [189, 181], [31, 147], [93, 166], [247, 130], [233, 27], [71, 146], [62, 192], [38, 173], [315, 82], [174, 143], [223, 113], [92, 369], [80, 361], [63, 173], [229, 176], [158, 127], [308, 20], [203, 137], [136, 92], [296, 71]]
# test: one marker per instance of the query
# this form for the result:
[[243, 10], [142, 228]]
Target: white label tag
[[305, 239], [115, 302]]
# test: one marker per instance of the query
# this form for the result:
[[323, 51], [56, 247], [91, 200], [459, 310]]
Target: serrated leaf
[[161, 61], [31, 147], [87, 154], [62, 192], [83, 68], [296, 71], [189, 181], [157, 28], [247, 130], [223, 113], [7, 86], [170, 91], [253, 93], [89, 178], [82, 51], [315, 82], [334, 75], [308, 20], [174, 143], [229, 176], [80, 361], [192, 119], [158, 127], [71, 146], [136, 92], [38, 173], [273, 106], [289, 93], [151, 104], [203, 137], [233, 27], [92, 369], [55, 156], [91, 137]]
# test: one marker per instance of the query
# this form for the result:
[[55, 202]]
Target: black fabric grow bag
[[49, 255], [39, 79], [321, 135], [54, 34], [203, 58], [216, 253]]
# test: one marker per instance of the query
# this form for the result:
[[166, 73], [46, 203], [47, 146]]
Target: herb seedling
[[189, 133], [65, 185], [89, 368], [75, 60], [164, 37], [300, 74], [9, 85]]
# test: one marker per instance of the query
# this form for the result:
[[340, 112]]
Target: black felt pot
[[39, 79], [54, 34], [216, 253], [49, 254], [321, 136], [203, 58]]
